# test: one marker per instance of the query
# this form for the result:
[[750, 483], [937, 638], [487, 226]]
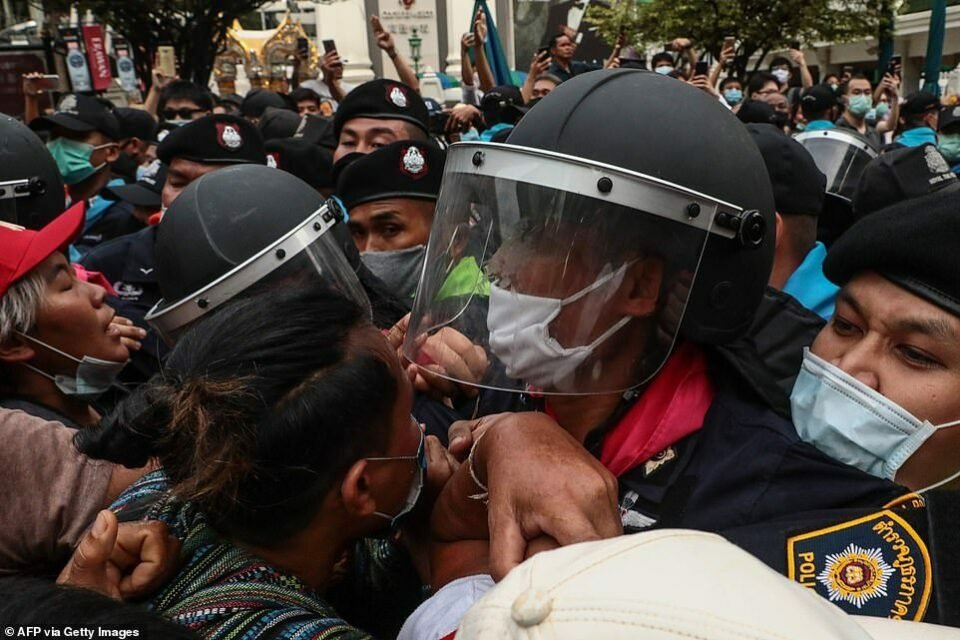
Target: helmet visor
[[552, 274], [839, 156], [306, 254]]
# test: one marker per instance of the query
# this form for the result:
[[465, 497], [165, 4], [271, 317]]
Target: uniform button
[[531, 608]]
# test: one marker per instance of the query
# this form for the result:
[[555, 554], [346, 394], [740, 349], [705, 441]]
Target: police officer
[[195, 149], [33, 189], [617, 270], [377, 113], [390, 195]]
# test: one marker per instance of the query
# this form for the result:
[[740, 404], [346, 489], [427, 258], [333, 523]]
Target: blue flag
[[494, 50]]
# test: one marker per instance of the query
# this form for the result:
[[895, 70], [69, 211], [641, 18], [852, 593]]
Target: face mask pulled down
[[519, 326], [854, 424], [92, 379]]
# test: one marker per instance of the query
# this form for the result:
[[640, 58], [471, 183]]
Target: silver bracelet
[[484, 492]]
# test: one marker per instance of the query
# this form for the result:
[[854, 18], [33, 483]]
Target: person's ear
[[779, 231], [16, 349], [111, 153], [355, 490], [642, 284]]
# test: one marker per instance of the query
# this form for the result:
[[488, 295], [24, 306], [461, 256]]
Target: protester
[[502, 107], [857, 97], [258, 101], [832, 80], [948, 136], [376, 114], [919, 116], [306, 100], [731, 88], [138, 132], [761, 85], [562, 49], [177, 101], [390, 215], [798, 192], [783, 68]]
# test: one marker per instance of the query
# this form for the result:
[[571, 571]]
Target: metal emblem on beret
[[935, 161], [413, 163], [397, 96], [228, 137], [273, 160], [874, 566], [68, 104], [956, 112]]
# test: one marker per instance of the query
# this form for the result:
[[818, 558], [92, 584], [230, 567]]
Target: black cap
[[919, 102], [278, 123], [82, 114], [136, 123], [385, 100], [256, 102], [757, 111], [405, 169], [912, 243], [502, 99], [798, 185], [901, 174], [146, 191], [310, 162], [818, 99], [948, 116], [214, 139]]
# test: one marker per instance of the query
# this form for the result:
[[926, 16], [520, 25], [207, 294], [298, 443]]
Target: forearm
[[466, 68], [336, 90], [806, 78], [404, 72], [714, 76], [152, 102], [31, 108], [484, 73], [526, 91]]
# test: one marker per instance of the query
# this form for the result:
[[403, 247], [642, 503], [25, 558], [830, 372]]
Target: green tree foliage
[[760, 26], [195, 28]]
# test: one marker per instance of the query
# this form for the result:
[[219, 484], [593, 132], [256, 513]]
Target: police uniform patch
[[875, 566], [228, 137], [397, 96]]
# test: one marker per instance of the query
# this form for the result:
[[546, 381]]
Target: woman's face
[[74, 319]]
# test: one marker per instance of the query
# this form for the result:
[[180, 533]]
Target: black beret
[[900, 174], [256, 102], [405, 169], [316, 129], [798, 185], [912, 243], [214, 139], [278, 123], [384, 100], [311, 163]]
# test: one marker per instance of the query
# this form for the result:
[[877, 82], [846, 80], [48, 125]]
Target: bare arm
[[332, 68], [806, 78], [31, 97], [538, 66], [484, 73]]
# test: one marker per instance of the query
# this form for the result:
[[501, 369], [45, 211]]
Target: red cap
[[23, 249]]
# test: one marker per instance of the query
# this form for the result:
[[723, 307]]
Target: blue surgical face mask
[[73, 159], [852, 423], [882, 110], [733, 96], [859, 105], [664, 70], [949, 146], [92, 379]]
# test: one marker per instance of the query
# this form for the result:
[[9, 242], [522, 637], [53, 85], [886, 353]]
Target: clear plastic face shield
[[305, 254], [572, 277], [841, 157]]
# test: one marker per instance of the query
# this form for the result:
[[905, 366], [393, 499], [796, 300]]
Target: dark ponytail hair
[[259, 411]]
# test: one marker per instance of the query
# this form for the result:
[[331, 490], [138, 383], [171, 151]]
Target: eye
[[843, 327], [391, 230], [918, 358]]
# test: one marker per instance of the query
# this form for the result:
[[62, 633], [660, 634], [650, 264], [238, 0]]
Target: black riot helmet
[[31, 189], [582, 212], [239, 229]]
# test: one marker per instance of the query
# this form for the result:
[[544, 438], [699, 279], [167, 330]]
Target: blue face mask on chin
[[852, 423]]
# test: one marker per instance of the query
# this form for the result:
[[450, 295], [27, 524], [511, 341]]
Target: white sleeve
[[440, 615]]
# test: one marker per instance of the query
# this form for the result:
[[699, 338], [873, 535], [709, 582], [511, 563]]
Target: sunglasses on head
[[185, 113]]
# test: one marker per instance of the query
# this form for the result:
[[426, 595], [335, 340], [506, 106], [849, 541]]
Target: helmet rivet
[[317, 226], [3, 192], [281, 254], [203, 303], [478, 158], [604, 185], [693, 209]]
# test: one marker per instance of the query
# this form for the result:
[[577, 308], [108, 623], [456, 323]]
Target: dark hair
[[304, 93], [663, 56], [33, 602], [552, 42], [845, 86], [729, 80], [259, 411], [779, 61], [186, 90], [758, 79], [830, 75]]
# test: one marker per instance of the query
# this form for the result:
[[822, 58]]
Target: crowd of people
[[624, 351]]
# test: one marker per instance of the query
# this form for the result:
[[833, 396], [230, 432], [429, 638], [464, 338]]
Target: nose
[[858, 361]]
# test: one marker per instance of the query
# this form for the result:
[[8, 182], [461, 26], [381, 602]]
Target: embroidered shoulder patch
[[874, 566]]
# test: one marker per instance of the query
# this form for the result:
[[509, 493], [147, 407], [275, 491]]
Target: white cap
[[668, 584]]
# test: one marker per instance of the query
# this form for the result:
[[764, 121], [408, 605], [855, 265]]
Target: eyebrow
[[55, 271], [385, 216], [936, 327]]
